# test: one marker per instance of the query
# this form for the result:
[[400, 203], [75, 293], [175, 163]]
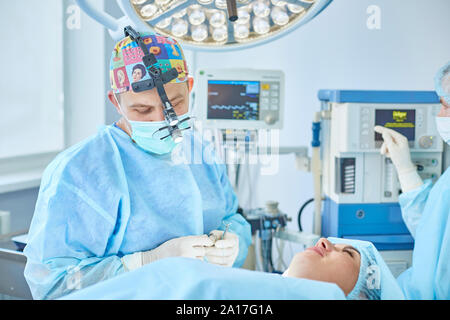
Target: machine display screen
[[233, 100], [402, 121]]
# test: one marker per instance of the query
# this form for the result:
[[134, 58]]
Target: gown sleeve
[[68, 242], [428, 278], [412, 204]]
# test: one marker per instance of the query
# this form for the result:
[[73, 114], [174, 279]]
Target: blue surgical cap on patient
[[375, 280]]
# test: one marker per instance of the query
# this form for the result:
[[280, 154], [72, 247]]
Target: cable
[[280, 248], [238, 169], [258, 251], [300, 213], [269, 251]]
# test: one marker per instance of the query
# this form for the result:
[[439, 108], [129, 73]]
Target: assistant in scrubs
[[425, 207]]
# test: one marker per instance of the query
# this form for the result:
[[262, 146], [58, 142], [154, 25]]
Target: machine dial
[[426, 142], [270, 119]]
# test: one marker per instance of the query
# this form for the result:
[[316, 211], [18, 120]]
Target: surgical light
[[197, 15], [241, 31], [217, 18], [210, 24], [261, 25], [148, 11], [221, 4], [179, 28], [180, 14], [279, 16], [295, 8], [164, 23], [220, 33], [279, 3], [243, 16], [200, 32], [261, 9]]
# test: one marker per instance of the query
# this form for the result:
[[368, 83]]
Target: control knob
[[270, 119], [426, 142]]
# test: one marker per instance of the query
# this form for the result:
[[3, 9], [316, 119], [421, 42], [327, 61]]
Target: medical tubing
[[316, 171], [258, 262], [300, 213], [259, 241], [250, 192], [270, 254], [238, 169], [280, 247], [262, 244]]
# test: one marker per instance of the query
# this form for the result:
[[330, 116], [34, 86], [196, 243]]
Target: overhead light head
[[211, 24]]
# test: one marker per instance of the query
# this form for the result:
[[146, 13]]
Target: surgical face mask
[[443, 127], [149, 135]]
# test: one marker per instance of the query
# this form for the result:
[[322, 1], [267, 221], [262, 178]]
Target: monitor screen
[[402, 121], [233, 100]]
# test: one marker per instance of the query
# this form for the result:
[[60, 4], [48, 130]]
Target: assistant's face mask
[[148, 134], [443, 127]]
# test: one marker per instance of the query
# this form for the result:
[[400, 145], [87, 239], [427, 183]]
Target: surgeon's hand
[[396, 147], [224, 252], [189, 247]]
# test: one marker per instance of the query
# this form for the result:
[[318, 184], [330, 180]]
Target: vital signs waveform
[[223, 107]]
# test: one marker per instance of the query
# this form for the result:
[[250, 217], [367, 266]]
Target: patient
[[355, 266], [327, 262], [333, 269]]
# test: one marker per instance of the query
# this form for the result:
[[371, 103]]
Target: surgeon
[[425, 207], [118, 200]]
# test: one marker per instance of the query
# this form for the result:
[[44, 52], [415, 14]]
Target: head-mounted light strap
[[158, 78]]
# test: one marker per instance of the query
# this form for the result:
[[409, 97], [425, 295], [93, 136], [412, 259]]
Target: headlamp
[[158, 79]]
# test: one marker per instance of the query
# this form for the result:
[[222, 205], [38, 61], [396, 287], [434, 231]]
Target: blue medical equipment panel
[[381, 224], [345, 214], [366, 96]]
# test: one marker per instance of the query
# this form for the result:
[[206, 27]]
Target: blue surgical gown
[[426, 212], [105, 198]]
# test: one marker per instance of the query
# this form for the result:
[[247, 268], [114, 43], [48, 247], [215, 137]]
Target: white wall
[[336, 50], [85, 64]]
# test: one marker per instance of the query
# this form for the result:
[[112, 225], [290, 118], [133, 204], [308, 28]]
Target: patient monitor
[[240, 98], [355, 171]]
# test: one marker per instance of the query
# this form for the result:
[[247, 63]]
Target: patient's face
[[327, 262]]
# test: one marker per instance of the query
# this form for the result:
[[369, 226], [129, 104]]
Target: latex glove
[[396, 147], [224, 252], [189, 247]]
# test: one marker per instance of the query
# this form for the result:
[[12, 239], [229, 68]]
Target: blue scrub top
[[426, 212], [105, 198]]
